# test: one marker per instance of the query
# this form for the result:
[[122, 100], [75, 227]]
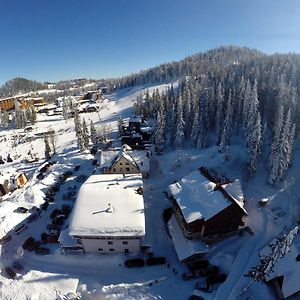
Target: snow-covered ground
[[60, 276]]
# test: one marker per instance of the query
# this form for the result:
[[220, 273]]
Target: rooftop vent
[[109, 209]]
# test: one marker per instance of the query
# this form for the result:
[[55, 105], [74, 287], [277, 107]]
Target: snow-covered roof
[[286, 266], [91, 215], [138, 158], [185, 248], [198, 199]]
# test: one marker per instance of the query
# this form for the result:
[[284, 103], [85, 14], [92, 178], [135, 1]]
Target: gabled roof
[[200, 198]]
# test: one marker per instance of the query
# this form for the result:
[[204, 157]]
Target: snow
[[91, 216], [185, 248], [137, 158], [197, 197]]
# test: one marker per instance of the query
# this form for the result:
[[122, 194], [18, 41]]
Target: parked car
[[21, 210], [188, 275], [198, 265], [66, 209], [33, 245], [20, 228], [49, 199], [40, 176], [5, 239], [159, 260], [17, 266], [134, 262], [211, 270], [44, 237], [42, 250], [45, 205], [202, 286], [55, 213], [27, 242], [35, 209], [76, 168], [53, 227], [11, 274], [196, 297], [32, 218], [218, 278], [52, 238], [58, 221], [55, 188]]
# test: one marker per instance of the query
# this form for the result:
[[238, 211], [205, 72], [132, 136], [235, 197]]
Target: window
[[121, 164], [127, 169], [111, 249], [126, 250], [110, 242], [125, 243], [100, 249], [114, 169], [127, 164]]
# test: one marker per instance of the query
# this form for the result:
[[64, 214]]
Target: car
[[211, 270], [32, 246], [35, 209], [44, 237], [27, 242], [66, 209], [54, 232], [76, 168], [40, 176], [188, 275], [21, 210], [17, 266], [218, 278], [94, 162], [134, 262], [55, 188], [45, 205], [53, 227], [49, 199], [202, 286], [42, 250], [32, 218], [20, 228], [50, 193], [58, 221], [5, 239], [62, 216], [198, 265], [52, 238], [159, 260], [55, 213], [196, 297], [11, 274]]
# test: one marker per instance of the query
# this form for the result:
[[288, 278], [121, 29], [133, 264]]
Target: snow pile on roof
[[90, 215], [198, 197], [184, 248]]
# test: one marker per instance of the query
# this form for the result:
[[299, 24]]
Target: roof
[[198, 197], [91, 215], [138, 158], [286, 266], [185, 248]]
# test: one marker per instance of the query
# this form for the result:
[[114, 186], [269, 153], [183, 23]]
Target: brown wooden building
[[206, 210]]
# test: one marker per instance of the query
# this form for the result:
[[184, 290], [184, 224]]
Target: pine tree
[[85, 135], [220, 111], [160, 133], [47, 147], [93, 133], [179, 135], [226, 125]]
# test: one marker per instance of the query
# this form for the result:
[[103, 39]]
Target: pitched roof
[[200, 198]]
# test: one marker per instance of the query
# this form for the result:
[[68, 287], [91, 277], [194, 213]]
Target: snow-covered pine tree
[[226, 129], [160, 133], [93, 133], [47, 147], [220, 111], [203, 124], [85, 135], [179, 133]]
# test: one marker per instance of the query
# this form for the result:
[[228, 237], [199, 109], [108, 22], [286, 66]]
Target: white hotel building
[[108, 216]]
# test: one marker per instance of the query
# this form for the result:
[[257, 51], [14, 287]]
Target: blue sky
[[62, 39]]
